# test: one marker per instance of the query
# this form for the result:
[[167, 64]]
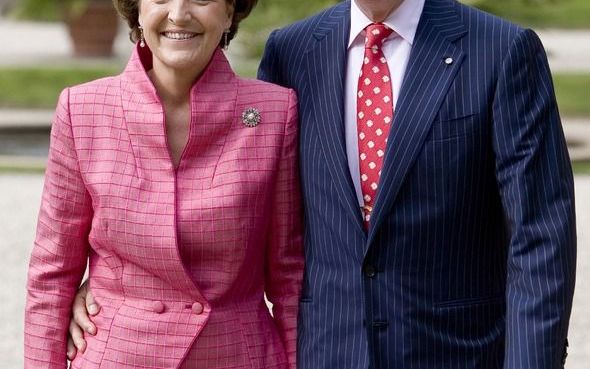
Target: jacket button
[[370, 271], [380, 324], [158, 307], [197, 308]]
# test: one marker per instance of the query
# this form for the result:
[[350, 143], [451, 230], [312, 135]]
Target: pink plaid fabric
[[179, 260]]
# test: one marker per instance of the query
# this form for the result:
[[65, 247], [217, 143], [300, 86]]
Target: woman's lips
[[175, 35]]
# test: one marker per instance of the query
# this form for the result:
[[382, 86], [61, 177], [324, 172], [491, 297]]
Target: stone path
[[19, 203], [568, 51]]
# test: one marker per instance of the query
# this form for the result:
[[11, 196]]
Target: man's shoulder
[[478, 20], [307, 26]]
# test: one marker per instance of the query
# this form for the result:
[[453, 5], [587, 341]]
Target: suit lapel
[[426, 81], [326, 64]]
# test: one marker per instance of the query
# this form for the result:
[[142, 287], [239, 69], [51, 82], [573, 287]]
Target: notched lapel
[[326, 64], [434, 63]]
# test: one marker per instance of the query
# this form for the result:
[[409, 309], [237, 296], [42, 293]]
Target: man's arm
[[536, 185], [83, 307]]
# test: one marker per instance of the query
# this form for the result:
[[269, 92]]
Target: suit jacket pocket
[[463, 326], [471, 301], [450, 127]]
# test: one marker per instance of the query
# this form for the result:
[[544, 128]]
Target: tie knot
[[376, 34]]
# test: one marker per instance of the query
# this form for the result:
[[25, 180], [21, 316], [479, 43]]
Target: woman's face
[[183, 34]]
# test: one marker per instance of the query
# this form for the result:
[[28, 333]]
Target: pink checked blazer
[[112, 198]]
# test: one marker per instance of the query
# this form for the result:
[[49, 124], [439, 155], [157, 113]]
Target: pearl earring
[[141, 39]]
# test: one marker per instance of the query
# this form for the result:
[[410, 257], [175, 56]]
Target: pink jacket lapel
[[211, 116]]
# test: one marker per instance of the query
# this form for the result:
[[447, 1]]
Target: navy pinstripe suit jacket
[[470, 262]]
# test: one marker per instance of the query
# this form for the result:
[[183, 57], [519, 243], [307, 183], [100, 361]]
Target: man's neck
[[378, 10]]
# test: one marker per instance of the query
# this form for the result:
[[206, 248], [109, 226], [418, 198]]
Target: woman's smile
[[179, 35], [183, 34]]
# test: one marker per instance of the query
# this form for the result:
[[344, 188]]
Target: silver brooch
[[251, 117]]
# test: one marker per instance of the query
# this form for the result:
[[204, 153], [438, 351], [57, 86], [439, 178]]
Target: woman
[[177, 182]]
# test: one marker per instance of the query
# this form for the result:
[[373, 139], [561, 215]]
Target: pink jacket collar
[[214, 91]]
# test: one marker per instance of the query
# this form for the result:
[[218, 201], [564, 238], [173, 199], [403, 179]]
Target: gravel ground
[[19, 202]]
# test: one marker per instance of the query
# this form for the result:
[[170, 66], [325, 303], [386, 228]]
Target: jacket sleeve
[[60, 252], [284, 270], [536, 185]]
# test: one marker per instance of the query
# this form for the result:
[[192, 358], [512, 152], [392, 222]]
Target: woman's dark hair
[[129, 10]]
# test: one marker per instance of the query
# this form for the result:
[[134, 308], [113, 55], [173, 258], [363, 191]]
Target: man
[[438, 194]]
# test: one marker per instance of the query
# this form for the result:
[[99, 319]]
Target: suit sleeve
[[269, 70], [60, 251], [284, 273], [536, 185]]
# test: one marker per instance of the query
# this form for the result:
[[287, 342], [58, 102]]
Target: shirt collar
[[404, 20]]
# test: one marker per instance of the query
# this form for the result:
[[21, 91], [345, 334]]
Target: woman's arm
[[285, 243], [60, 253]]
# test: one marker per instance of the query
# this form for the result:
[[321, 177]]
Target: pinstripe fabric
[[471, 260], [179, 259]]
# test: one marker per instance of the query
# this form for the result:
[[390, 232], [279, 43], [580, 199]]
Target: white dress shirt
[[404, 22]]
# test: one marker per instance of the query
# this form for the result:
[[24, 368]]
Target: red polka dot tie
[[375, 114]]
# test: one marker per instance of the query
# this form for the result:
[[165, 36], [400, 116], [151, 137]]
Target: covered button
[[158, 307], [197, 308]]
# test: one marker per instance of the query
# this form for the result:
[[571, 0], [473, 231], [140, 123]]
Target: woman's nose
[[178, 11]]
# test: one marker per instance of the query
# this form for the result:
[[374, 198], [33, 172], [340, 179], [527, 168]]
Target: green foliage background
[[269, 15], [540, 13], [272, 13]]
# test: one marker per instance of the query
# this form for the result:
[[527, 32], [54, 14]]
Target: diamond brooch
[[251, 117]]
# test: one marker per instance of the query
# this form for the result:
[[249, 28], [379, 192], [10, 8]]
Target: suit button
[[380, 324], [158, 307], [197, 308], [370, 270]]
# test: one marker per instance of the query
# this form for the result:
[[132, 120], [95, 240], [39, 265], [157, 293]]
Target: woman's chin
[[183, 60]]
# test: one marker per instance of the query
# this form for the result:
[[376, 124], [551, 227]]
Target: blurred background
[[46, 45]]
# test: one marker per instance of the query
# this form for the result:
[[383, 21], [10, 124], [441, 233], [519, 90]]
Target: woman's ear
[[139, 21], [230, 15]]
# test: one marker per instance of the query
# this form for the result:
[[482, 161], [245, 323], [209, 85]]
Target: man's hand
[[84, 304]]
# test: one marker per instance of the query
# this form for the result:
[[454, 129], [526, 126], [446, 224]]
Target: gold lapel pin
[[251, 117]]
